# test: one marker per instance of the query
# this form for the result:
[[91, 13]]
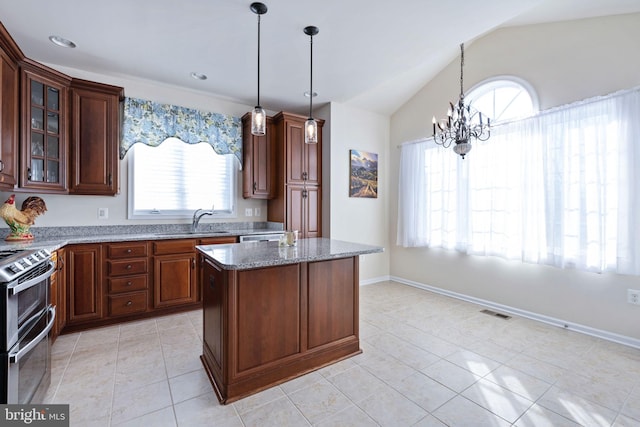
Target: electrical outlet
[[633, 296], [103, 213], [256, 212], [248, 212]]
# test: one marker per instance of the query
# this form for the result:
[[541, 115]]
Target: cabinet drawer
[[217, 240], [127, 284], [126, 267], [165, 247], [127, 250], [133, 302]]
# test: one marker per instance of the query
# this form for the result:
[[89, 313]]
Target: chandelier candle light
[[258, 115], [311, 126], [461, 124]]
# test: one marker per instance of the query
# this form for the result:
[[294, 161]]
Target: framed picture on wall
[[363, 174]]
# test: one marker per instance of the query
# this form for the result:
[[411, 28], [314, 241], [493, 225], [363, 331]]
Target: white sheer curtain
[[559, 188]]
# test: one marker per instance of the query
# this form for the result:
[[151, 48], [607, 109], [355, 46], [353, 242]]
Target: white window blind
[[174, 179]]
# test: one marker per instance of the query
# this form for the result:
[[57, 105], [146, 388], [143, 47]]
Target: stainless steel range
[[26, 317]]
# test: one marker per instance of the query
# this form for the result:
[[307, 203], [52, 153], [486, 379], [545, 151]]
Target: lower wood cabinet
[[264, 326], [127, 276], [84, 283], [174, 273], [58, 292], [105, 283]]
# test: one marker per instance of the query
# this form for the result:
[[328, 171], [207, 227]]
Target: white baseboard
[[375, 280], [598, 333]]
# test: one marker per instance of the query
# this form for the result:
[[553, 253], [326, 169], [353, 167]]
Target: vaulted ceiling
[[371, 54]]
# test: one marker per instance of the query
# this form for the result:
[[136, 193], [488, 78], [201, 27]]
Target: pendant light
[[311, 126], [258, 115]]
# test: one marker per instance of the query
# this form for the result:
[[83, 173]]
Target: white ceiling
[[373, 54]]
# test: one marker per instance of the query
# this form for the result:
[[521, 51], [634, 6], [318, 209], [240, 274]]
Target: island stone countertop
[[243, 256]]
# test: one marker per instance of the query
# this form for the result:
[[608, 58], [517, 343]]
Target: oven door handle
[[19, 287], [14, 357]]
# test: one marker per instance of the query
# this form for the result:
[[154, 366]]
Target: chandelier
[[462, 124]]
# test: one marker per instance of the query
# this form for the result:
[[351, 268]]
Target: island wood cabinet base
[[265, 326]]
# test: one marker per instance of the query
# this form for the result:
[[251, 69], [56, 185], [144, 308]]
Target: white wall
[[564, 62], [64, 210], [362, 220]]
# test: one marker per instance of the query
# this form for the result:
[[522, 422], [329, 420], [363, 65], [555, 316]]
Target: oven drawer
[[126, 267], [127, 284], [127, 250], [133, 302]]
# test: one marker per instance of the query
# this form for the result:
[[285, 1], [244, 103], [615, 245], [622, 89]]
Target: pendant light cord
[[311, 77], [258, 59]]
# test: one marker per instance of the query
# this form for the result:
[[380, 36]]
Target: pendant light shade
[[311, 126], [310, 131], [258, 115]]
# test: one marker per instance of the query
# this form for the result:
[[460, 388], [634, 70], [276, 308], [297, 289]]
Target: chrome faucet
[[197, 215]]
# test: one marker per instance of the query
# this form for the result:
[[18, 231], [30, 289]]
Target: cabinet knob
[[255, 186], [304, 176], [129, 283], [1, 165], [129, 267], [129, 304], [129, 250]]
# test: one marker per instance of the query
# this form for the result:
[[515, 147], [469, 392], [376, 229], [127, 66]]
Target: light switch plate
[[248, 212]]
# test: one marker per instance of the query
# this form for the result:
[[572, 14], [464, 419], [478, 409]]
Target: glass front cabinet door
[[43, 164]]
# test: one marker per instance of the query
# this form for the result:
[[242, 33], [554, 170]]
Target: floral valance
[[151, 123]]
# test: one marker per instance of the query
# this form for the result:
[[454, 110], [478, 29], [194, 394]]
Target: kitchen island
[[273, 313]]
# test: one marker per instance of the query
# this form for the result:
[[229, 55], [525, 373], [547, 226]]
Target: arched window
[[503, 99]]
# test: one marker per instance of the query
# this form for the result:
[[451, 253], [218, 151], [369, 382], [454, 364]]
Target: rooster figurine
[[19, 221]]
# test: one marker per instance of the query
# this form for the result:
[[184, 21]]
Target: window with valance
[[151, 123]]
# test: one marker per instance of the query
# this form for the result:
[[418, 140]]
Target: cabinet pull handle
[[129, 304], [29, 174], [304, 176], [212, 281], [304, 194], [255, 186], [1, 165], [193, 263], [110, 179]]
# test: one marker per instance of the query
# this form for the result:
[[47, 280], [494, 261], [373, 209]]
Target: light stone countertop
[[53, 238], [242, 256]]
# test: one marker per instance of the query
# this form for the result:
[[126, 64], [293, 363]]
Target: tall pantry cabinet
[[298, 200]]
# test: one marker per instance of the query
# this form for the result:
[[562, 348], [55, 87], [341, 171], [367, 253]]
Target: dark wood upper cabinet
[[58, 134], [298, 199], [43, 165], [95, 136], [303, 161], [258, 169], [10, 56]]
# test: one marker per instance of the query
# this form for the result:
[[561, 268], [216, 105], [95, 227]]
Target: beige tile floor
[[428, 360]]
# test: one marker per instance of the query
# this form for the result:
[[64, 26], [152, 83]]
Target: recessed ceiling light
[[61, 41], [199, 76], [307, 94]]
